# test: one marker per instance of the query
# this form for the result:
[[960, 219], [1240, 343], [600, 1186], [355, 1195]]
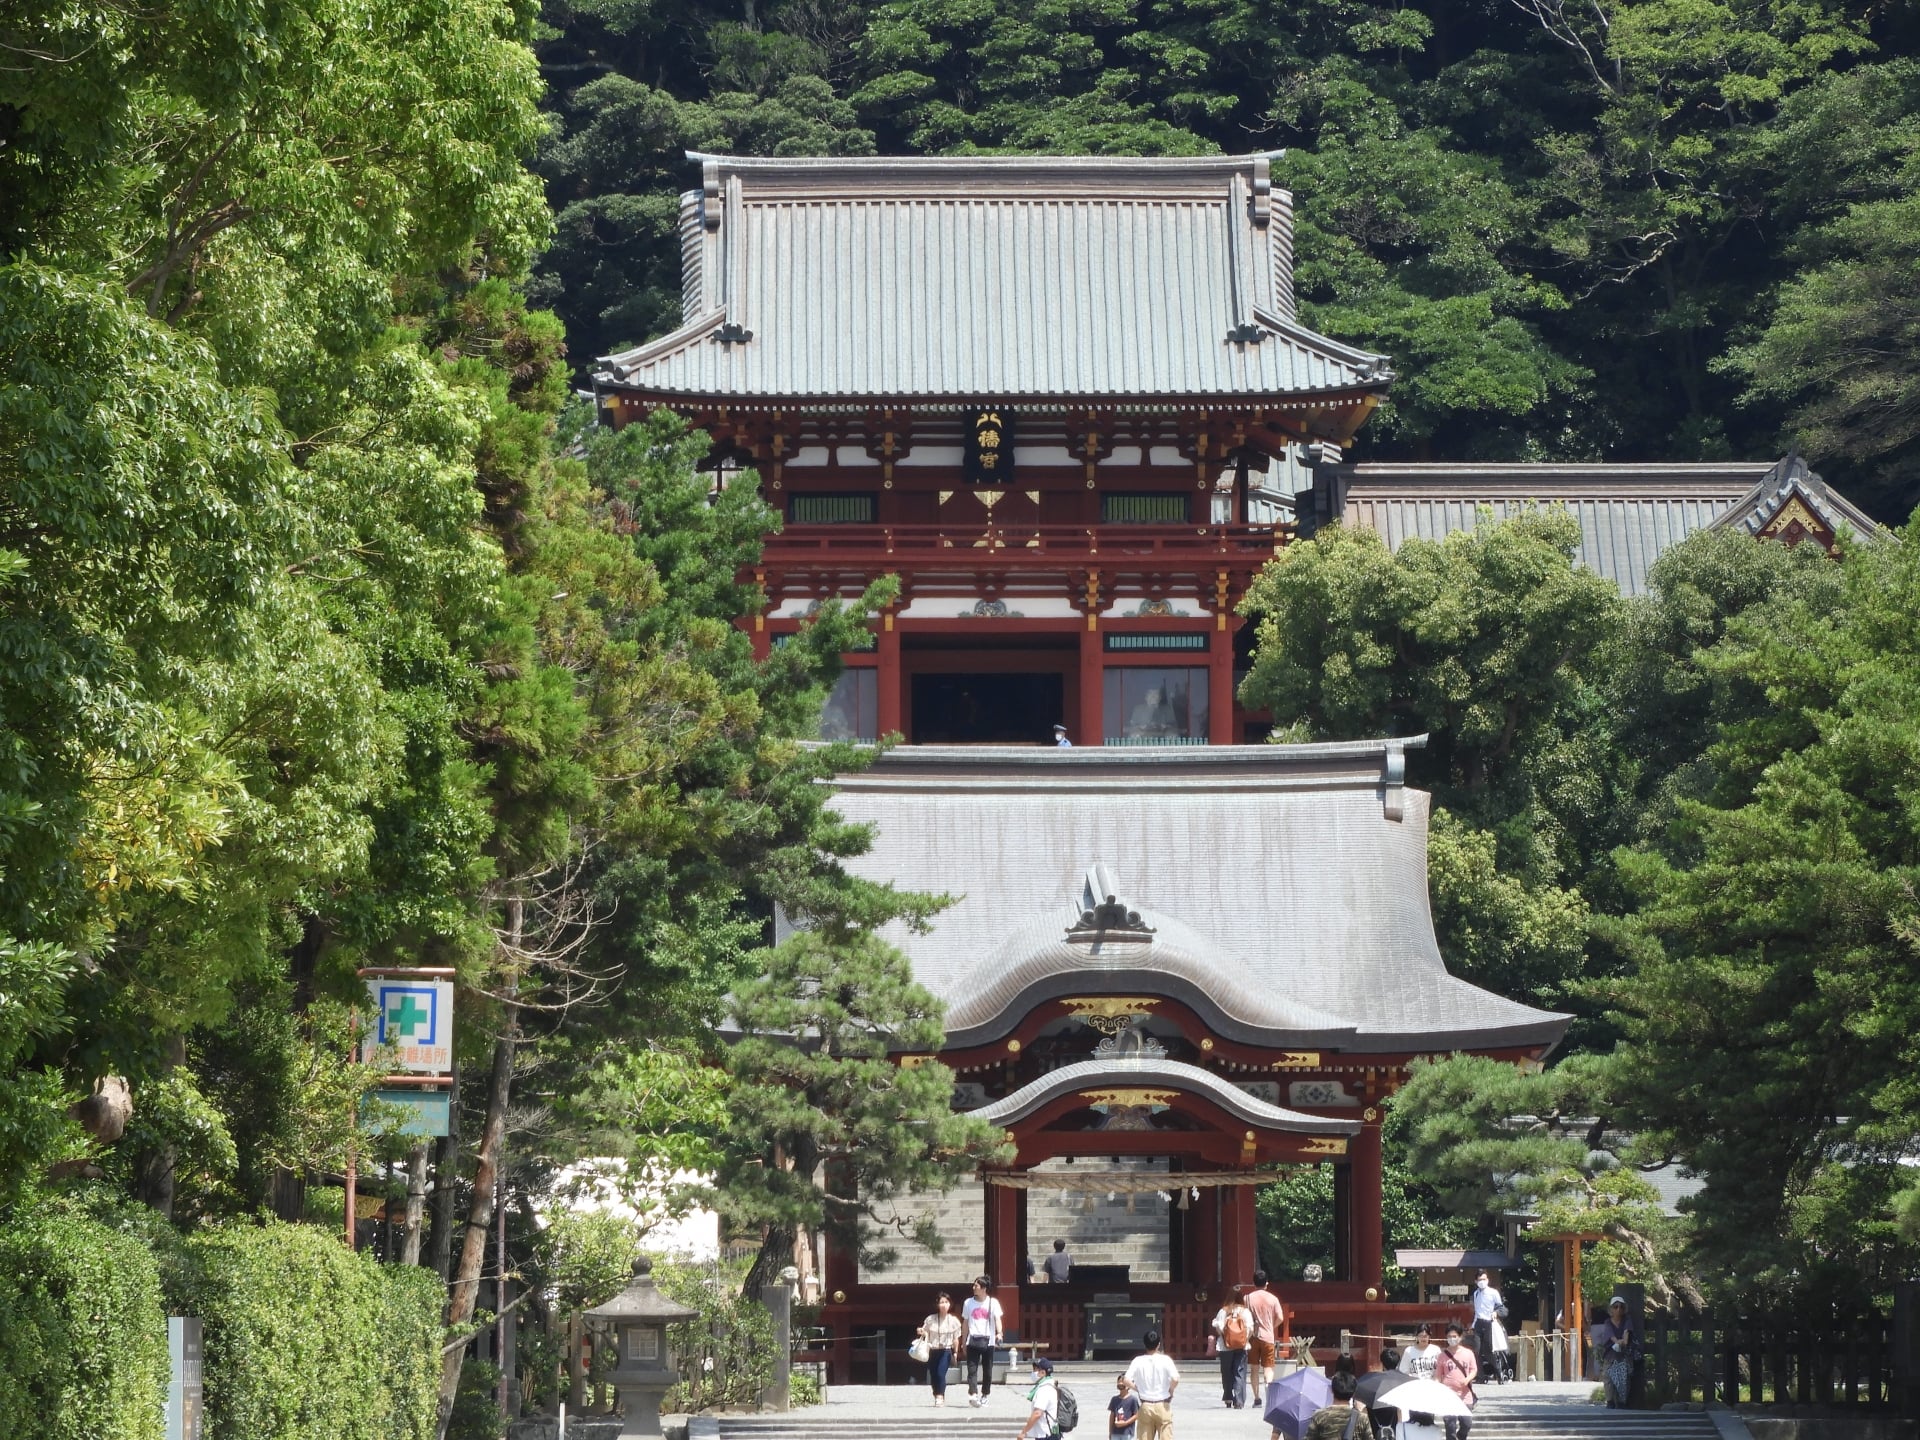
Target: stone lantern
[[644, 1368]]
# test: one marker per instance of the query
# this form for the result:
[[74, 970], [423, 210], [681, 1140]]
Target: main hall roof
[[1004, 279], [1279, 890]]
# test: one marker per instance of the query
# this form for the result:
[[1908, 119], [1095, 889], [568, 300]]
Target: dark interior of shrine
[[987, 708]]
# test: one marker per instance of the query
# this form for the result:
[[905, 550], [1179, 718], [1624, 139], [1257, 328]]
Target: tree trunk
[[465, 1288], [446, 1169], [154, 1170], [776, 1253], [416, 1204]]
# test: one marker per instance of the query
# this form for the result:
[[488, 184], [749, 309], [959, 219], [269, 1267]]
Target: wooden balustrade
[[1038, 543]]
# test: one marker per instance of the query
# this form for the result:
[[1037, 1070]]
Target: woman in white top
[[1421, 1358], [942, 1332]]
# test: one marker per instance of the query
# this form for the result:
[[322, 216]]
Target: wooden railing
[[1010, 542]]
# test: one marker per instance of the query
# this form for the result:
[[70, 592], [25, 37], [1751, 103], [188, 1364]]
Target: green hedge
[[306, 1341], [83, 1336]]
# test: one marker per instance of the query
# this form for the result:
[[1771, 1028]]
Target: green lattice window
[[831, 509], [1168, 509]]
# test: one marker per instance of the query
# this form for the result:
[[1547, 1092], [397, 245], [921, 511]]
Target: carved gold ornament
[[1159, 1098], [1296, 1060], [1325, 1145], [1087, 1007]]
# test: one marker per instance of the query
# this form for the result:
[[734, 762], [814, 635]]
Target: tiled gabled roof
[[1763, 509], [1013, 279], [1285, 888], [1630, 514]]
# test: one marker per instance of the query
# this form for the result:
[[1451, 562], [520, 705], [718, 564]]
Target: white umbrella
[[1425, 1397]]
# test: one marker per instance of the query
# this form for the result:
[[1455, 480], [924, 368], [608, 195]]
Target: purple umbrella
[[1292, 1401]]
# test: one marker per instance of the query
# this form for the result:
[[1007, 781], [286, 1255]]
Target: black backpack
[[1067, 1413]]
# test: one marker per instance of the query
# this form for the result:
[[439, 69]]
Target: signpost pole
[[353, 1238]]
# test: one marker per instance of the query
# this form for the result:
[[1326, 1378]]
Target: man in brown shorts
[[1267, 1319]]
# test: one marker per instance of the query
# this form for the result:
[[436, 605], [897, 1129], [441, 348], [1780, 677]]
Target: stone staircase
[[1503, 1415], [1510, 1414]]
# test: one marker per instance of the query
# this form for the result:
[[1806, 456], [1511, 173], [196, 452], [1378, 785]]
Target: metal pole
[[353, 1239]]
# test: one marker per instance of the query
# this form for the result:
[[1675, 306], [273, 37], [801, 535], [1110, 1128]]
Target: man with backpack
[[1052, 1409], [1233, 1331]]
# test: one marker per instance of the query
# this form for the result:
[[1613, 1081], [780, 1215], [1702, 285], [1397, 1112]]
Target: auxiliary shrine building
[[1069, 404]]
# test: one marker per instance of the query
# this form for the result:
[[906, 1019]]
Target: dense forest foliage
[[1613, 229]]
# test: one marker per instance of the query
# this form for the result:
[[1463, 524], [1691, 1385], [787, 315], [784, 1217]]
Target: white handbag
[[919, 1352]]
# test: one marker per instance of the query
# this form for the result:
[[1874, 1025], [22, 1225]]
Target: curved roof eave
[[1167, 1074]]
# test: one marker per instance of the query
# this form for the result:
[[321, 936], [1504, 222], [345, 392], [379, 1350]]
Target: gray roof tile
[[1004, 278], [1288, 902]]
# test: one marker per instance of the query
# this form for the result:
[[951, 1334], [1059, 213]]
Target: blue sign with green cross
[[412, 1027]]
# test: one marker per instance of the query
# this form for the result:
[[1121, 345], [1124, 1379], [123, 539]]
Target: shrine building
[[1068, 402]]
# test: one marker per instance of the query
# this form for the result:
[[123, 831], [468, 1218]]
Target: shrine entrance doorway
[[975, 708]]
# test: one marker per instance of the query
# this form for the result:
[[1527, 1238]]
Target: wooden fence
[[1846, 1361]]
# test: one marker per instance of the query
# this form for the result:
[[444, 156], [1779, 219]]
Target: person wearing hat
[[1060, 737], [1044, 1421], [1617, 1348]]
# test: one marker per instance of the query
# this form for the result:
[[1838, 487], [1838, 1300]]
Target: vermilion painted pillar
[[1093, 699], [1003, 1251], [1364, 1150], [887, 647], [841, 1273], [1220, 679], [1203, 1223], [1240, 1246]]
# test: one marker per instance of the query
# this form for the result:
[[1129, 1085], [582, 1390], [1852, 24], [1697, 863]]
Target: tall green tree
[[1486, 643], [827, 1131]]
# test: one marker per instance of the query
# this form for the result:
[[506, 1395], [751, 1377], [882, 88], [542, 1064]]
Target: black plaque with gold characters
[[990, 446]]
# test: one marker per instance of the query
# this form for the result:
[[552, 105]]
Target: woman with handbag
[[1616, 1344], [939, 1344]]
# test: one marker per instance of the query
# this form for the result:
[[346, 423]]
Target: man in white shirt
[[1154, 1377], [1044, 1421], [982, 1316], [1487, 1306]]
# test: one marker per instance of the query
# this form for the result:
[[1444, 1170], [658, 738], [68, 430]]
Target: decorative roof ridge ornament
[[731, 333], [1246, 333], [1104, 916]]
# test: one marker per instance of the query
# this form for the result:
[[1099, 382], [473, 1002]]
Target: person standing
[[985, 1324], [1420, 1358], [942, 1332], [1455, 1369], [1122, 1410], [1386, 1419], [1488, 1310], [1616, 1348], [1268, 1319], [1233, 1333], [1060, 737], [1058, 1265], [1154, 1377], [1043, 1400]]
